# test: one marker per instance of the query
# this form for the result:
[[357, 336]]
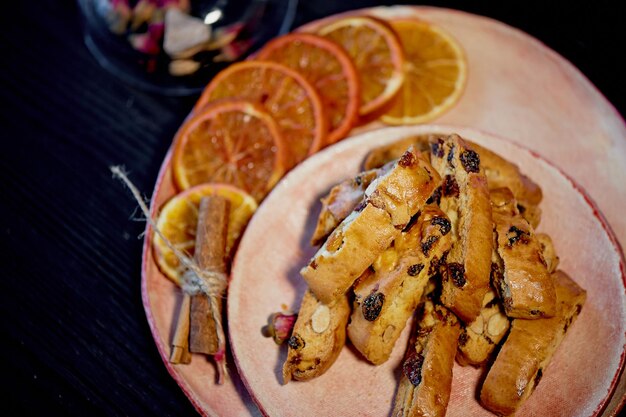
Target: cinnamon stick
[[180, 345], [206, 334]]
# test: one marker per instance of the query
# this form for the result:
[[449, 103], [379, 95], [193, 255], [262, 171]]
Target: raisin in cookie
[[388, 204], [464, 198], [521, 275], [528, 349], [388, 293], [424, 388], [318, 336]]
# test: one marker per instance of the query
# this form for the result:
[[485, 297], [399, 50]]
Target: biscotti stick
[[465, 200], [521, 276], [424, 388], [382, 155], [318, 336], [388, 293], [528, 349], [548, 252], [499, 172], [340, 202], [389, 203], [479, 338]]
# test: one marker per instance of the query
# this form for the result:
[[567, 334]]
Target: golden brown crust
[[548, 252], [524, 284], [340, 202], [465, 200], [528, 350], [348, 251], [318, 336], [499, 172], [480, 337], [403, 191], [382, 155], [389, 203], [502, 173], [424, 388], [531, 213], [388, 293]]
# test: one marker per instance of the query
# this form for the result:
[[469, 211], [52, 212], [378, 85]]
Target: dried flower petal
[[280, 325]]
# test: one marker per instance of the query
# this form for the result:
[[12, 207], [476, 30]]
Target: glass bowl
[[174, 47]]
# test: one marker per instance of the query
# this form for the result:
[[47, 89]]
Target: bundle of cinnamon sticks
[[199, 328]]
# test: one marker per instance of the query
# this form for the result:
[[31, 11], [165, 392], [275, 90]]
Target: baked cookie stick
[[387, 294], [340, 202], [521, 276], [479, 338], [426, 380], [528, 350], [499, 172], [382, 155], [318, 336], [389, 203], [465, 200], [548, 252]]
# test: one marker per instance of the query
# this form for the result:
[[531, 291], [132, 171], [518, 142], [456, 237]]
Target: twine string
[[195, 279]]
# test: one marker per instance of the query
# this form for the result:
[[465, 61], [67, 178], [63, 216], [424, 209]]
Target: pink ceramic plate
[[578, 382], [516, 88], [161, 300]]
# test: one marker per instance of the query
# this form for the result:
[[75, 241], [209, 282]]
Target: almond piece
[[388, 333], [477, 325], [497, 324], [180, 67], [489, 296], [320, 320]]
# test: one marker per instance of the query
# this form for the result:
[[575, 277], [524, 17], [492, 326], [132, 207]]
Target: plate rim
[[145, 295]]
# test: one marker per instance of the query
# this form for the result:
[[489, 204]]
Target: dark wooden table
[[75, 341]]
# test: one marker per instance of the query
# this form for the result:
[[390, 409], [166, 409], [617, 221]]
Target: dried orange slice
[[377, 54], [435, 73], [329, 69], [234, 142], [178, 221], [288, 97]]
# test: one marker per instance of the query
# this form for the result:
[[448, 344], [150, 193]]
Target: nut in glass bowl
[[174, 47]]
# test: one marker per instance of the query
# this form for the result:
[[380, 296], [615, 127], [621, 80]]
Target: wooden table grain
[[75, 340]]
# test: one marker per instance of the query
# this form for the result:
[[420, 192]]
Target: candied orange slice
[[435, 73], [329, 69], [377, 55], [286, 95], [178, 221], [233, 142]]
